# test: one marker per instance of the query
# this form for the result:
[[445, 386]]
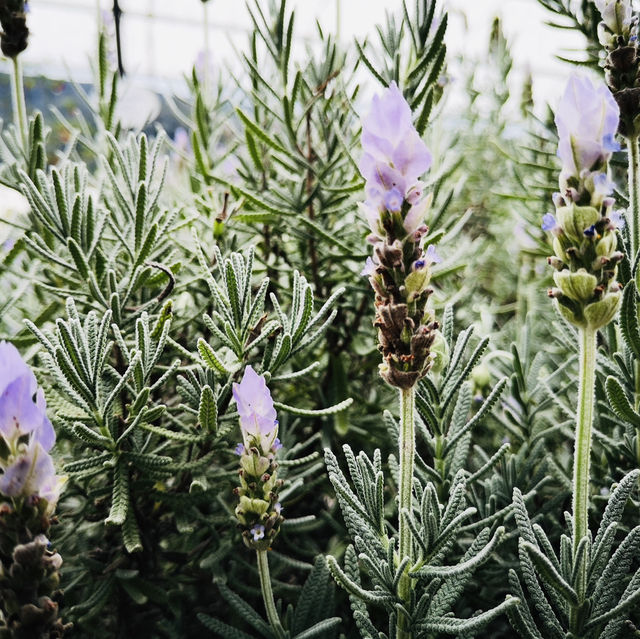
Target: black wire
[[117, 13]]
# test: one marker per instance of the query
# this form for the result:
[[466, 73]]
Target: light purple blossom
[[257, 532], [617, 219], [255, 406], [22, 403], [369, 268], [549, 222], [277, 444], [587, 120], [239, 449], [32, 473], [393, 200], [278, 508], [602, 184], [27, 467], [432, 255], [394, 155]]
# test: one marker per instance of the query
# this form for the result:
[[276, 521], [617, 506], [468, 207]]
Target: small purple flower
[[277, 444], [602, 184], [432, 255], [549, 222], [239, 449], [418, 264], [617, 219], [587, 120], [278, 508], [369, 268], [393, 200], [255, 407], [590, 232], [258, 532]]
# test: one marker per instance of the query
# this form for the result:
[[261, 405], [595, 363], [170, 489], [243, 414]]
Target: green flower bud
[[417, 282], [254, 464], [570, 315], [607, 244], [578, 286], [559, 250], [600, 313], [575, 219], [253, 507]]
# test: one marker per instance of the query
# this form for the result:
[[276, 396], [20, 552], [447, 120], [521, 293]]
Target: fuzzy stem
[[267, 595], [18, 102], [581, 458], [407, 455], [634, 196]]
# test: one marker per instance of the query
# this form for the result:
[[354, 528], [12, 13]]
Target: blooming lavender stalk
[[29, 576], [394, 157], [584, 242], [258, 511]]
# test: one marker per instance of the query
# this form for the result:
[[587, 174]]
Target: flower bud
[[578, 286], [600, 313], [575, 219]]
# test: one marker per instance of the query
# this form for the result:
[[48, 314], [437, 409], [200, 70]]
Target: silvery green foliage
[[310, 617], [586, 595]]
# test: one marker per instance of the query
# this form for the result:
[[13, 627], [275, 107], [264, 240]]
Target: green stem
[[267, 595], [634, 196], [407, 455], [18, 102], [582, 455]]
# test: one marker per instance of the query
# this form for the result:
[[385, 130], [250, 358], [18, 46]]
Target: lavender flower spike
[[255, 406], [587, 120]]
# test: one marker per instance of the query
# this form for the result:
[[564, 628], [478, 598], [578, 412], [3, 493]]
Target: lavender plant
[[588, 296], [170, 287], [408, 576]]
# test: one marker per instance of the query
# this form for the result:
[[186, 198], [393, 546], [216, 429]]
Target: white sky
[[161, 38]]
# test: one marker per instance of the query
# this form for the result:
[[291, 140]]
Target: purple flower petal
[[587, 120], [257, 532], [393, 200], [255, 406], [549, 222], [432, 255]]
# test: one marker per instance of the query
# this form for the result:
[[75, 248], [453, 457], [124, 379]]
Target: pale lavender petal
[[432, 255], [587, 121], [549, 222], [393, 200], [255, 406]]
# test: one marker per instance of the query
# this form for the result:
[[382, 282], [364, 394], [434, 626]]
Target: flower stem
[[18, 102], [407, 455], [634, 196], [581, 458], [267, 595]]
